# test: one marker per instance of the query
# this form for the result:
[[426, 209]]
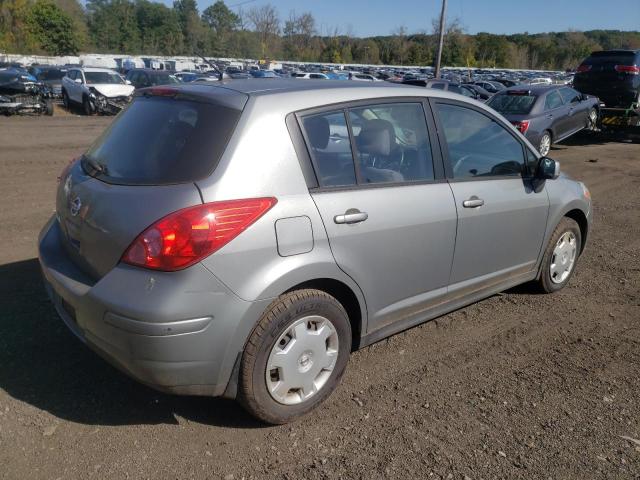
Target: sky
[[381, 17]]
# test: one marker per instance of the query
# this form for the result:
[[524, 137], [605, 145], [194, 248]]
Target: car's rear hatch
[[612, 76], [142, 168]]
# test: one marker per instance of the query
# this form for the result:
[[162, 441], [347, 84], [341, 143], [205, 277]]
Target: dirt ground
[[520, 385]]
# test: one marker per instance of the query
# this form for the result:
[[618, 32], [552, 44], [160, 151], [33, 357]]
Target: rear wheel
[[545, 144], [295, 356], [65, 100], [561, 256]]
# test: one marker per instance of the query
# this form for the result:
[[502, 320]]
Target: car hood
[[113, 90]]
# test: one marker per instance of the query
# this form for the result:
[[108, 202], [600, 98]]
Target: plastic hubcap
[[301, 360], [563, 257]]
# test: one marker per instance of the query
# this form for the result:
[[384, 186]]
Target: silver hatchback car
[[242, 239]]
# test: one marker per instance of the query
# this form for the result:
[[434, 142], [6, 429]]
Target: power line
[[242, 3]]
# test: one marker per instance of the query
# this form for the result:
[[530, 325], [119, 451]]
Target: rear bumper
[[178, 332]]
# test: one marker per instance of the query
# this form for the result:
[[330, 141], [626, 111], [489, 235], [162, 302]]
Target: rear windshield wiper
[[95, 166]]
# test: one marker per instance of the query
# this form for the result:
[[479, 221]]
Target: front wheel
[[592, 121], [545, 144], [87, 106], [561, 256], [295, 356]]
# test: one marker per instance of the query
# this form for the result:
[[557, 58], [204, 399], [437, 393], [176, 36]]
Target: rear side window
[[328, 140], [477, 145], [163, 141], [391, 143], [552, 100]]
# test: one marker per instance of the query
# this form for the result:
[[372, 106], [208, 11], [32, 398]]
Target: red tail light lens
[[583, 68], [522, 126], [632, 69], [187, 236]]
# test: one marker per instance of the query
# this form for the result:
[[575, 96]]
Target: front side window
[[478, 145], [553, 100], [569, 95], [330, 148], [392, 143]]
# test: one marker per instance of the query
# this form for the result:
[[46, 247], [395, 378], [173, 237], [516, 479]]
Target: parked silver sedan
[[241, 239]]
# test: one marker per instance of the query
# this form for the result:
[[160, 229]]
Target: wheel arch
[[344, 294], [581, 219]]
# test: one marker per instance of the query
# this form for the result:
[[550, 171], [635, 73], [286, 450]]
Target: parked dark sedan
[[145, 77], [546, 114]]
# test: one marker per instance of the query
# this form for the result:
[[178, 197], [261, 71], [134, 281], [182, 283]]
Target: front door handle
[[473, 202], [353, 215]]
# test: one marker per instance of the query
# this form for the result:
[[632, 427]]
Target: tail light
[[583, 68], [187, 236], [632, 69], [522, 126]]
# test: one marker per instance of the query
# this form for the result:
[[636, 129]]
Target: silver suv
[[242, 239]]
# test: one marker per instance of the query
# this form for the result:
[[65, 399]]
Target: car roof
[[538, 89], [93, 69], [260, 87], [153, 71]]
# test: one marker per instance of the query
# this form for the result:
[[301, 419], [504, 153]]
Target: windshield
[[512, 104], [162, 141], [102, 77]]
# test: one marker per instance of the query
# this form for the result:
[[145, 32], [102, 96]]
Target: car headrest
[[377, 137], [317, 129]]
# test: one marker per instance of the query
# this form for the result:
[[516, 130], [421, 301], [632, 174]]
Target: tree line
[[143, 27]]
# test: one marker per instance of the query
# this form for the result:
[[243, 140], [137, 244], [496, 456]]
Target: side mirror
[[128, 82], [78, 80], [548, 169]]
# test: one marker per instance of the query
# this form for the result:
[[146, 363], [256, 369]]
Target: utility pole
[[441, 38]]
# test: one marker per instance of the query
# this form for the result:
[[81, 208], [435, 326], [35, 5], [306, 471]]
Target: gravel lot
[[517, 386]]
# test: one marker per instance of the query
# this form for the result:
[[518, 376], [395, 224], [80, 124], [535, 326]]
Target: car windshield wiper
[[97, 167]]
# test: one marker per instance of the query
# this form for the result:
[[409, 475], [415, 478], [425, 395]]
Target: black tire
[[87, 107], [545, 281], [65, 100], [253, 393], [545, 134], [48, 108]]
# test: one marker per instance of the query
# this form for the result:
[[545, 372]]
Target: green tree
[[53, 29], [113, 26], [222, 22]]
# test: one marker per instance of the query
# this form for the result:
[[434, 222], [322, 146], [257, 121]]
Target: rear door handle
[[351, 216], [473, 202]]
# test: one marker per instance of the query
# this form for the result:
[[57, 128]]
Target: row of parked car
[[545, 109]]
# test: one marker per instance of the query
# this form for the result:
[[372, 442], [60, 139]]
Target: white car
[[363, 77], [97, 90], [541, 81], [309, 76]]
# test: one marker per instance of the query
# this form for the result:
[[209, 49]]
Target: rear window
[[162, 141], [617, 58], [512, 104]]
